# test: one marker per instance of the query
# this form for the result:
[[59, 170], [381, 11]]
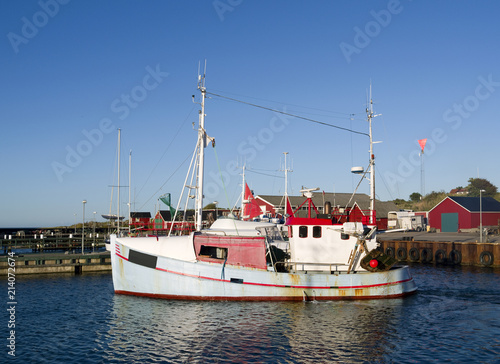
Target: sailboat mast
[[202, 142], [129, 186], [118, 190]]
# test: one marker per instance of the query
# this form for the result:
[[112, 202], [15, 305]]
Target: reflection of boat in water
[[260, 332], [245, 260]]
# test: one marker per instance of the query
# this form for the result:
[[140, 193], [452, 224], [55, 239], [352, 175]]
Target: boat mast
[[243, 201], [129, 186], [118, 191], [369, 112], [286, 170], [202, 143]]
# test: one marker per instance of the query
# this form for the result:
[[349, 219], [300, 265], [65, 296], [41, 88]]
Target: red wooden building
[[457, 213], [140, 220], [163, 221]]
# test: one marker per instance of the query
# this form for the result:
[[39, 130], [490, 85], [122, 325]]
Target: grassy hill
[[427, 202]]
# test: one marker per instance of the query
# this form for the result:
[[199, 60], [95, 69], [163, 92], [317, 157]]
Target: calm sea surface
[[454, 317]]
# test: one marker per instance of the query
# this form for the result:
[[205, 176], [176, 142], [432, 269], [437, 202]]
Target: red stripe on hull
[[260, 298], [121, 256]]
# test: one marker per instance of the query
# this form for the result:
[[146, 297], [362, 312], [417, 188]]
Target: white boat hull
[[145, 274]]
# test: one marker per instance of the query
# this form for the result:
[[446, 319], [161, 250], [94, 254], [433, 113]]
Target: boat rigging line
[[342, 115], [285, 113], [264, 174]]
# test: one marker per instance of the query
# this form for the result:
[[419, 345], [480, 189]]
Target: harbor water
[[454, 317]]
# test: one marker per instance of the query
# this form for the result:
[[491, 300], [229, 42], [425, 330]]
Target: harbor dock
[[54, 254], [41, 263], [442, 248], [40, 243]]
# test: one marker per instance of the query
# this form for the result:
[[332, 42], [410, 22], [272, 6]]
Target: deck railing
[[305, 267]]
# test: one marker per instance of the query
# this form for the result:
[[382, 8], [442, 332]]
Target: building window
[[302, 231], [316, 231]]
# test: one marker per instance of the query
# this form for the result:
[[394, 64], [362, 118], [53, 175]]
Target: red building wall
[[140, 222], [449, 206], [489, 219], [359, 215], [466, 219], [268, 208]]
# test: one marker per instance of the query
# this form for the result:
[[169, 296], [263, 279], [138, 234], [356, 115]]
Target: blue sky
[[76, 71]]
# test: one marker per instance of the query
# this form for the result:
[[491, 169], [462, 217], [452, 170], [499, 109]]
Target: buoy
[[374, 263]]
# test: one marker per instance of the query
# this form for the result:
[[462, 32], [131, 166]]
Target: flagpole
[[422, 175], [422, 143]]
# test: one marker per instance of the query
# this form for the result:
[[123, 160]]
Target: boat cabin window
[[316, 231], [213, 252], [302, 231]]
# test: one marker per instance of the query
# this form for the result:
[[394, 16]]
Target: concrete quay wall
[[55, 263], [443, 252]]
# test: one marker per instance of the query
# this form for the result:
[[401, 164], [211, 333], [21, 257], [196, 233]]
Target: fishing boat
[[323, 259]]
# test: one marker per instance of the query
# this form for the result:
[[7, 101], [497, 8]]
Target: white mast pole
[[286, 185], [129, 187], [369, 112], [243, 192], [201, 156], [286, 170], [118, 192]]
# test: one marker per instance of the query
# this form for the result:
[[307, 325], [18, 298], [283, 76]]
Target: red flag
[[251, 208], [422, 143]]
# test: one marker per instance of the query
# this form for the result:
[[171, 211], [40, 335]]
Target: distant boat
[[112, 217], [250, 261]]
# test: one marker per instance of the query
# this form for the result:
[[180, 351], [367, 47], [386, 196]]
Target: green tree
[[477, 184], [415, 197]]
